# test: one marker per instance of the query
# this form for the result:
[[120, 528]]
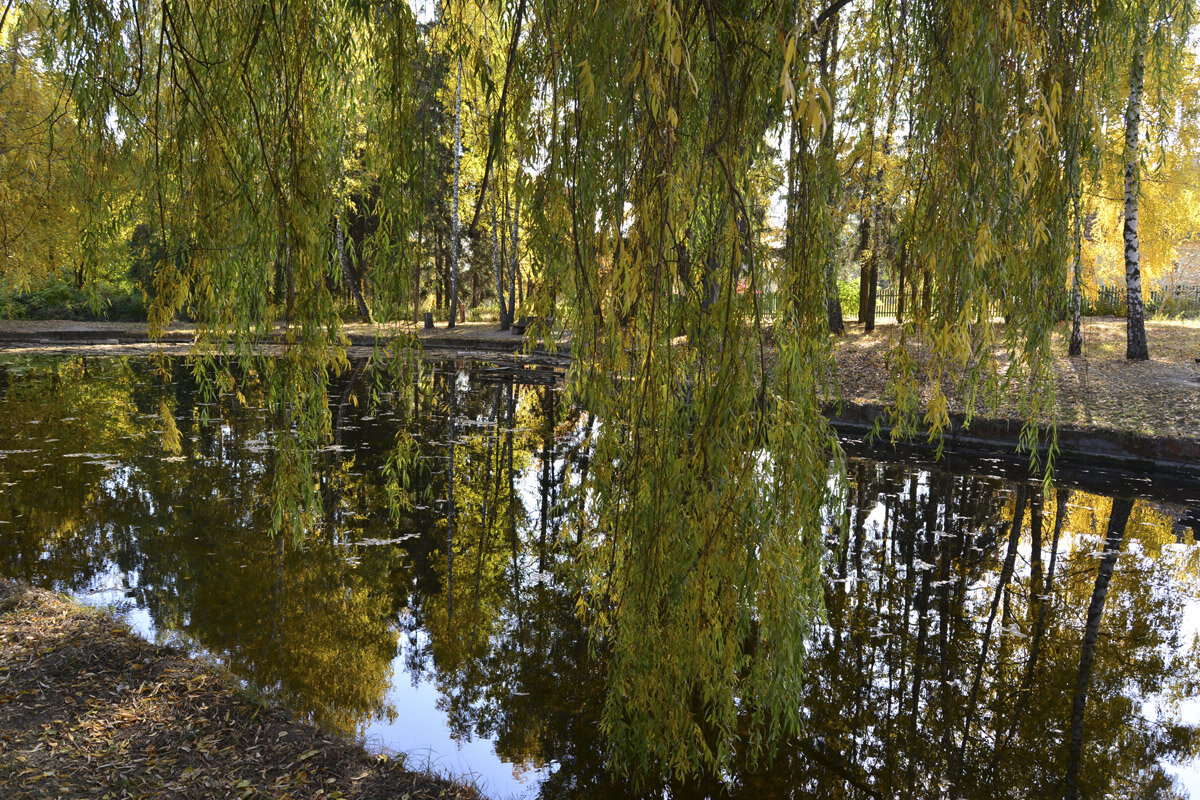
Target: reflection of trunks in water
[[341, 625], [922, 533]]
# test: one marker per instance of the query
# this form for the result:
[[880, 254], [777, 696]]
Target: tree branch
[[498, 122], [7, 8], [825, 16]]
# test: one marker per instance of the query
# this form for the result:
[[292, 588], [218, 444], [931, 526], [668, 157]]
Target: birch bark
[[454, 221], [1135, 322]]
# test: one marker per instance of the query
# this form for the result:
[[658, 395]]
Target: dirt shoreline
[[88, 709], [37, 335]]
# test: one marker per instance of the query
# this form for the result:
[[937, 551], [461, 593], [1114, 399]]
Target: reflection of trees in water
[[948, 665], [949, 662], [942, 666], [979, 640], [312, 624]]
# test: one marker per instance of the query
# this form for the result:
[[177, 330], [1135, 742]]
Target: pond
[[983, 637]]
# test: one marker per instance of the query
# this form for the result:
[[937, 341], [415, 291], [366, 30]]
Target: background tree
[[643, 159]]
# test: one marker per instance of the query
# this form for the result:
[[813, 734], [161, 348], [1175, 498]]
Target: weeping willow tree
[[647, 127]]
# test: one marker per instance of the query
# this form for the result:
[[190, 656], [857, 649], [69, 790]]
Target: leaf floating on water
[[378, 542]]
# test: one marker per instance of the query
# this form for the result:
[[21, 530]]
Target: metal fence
[[1180, 299], [1108, 301], [886, 303]]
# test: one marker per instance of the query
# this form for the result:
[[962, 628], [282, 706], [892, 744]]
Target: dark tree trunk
[[290, 277], [515, 269], [416, 273], [497, 269], [438, 295], [872, 291], [828, 158], [348, 276], [864, 241]]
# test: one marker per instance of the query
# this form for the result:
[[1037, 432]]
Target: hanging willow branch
[[649, 131]]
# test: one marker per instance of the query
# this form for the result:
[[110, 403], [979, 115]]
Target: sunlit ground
[[1101, 388]]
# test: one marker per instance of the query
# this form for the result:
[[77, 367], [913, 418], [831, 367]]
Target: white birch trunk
[[454, 223], [1075, 347], [1135, 323]]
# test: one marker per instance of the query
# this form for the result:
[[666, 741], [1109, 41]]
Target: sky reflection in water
[[952, 653]]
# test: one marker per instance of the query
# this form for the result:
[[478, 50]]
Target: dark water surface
[[963, 655]]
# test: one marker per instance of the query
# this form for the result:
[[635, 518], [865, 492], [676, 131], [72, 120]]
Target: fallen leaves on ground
[[88, 709], [1100, 389]]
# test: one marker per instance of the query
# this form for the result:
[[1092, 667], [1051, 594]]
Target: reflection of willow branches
[[548, 405], [487, 510], [921, 604]]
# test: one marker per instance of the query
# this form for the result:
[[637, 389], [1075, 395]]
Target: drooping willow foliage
[[650, 141]]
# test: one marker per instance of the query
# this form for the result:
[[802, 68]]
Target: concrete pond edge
[[1166, 468]]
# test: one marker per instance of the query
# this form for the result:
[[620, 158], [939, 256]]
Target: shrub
[[848, 294], [60, 300]]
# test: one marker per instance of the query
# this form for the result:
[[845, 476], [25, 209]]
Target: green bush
[[60, 300], [848, 294]]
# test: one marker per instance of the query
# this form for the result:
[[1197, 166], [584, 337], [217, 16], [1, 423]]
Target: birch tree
[[1135, 323], [454, 225]]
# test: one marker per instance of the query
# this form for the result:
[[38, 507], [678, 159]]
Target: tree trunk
[[828, 68], [339, 240], [1091, 634], [1076, 346], [348, 277], [864, 241], [512, 275], [416, 276], [454, 218], [290, 277], [1135, 323], [496, 272], [872, 289], [437, 271]]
